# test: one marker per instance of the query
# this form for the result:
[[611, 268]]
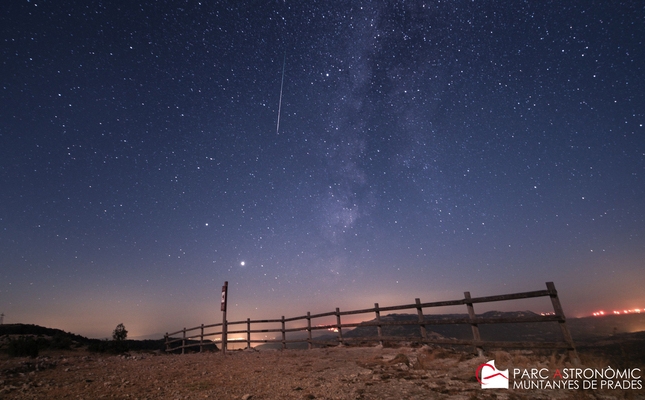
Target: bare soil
[[331, 373]]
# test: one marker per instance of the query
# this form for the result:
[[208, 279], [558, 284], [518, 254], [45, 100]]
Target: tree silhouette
[[119, 333]]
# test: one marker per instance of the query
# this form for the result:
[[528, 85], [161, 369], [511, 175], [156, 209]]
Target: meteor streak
[[277, 128]]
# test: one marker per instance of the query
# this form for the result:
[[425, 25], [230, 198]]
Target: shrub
[[61, 341], [119, 344], [108, 346], [119, 333], [23, 347], [98, 346]]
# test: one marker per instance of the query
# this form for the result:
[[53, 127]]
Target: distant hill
[[533, 331], [608, 325], [582, 329], [51, 338], [497, 332], [28, 329]]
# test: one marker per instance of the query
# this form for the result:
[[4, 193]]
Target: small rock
[[247, 396]]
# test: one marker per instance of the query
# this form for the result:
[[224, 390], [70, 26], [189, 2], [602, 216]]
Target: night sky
[[424, 149]]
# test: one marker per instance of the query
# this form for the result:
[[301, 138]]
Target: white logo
[[490, 377]]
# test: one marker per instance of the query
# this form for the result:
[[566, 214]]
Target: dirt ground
[[331, 373]]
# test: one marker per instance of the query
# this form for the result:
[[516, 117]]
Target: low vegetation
[[23, 340]]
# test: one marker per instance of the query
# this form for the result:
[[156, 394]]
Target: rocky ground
[[331, 373]]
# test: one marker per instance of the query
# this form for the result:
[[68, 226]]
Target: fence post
[[309, 344], [183, 342], [424, 334], [557, 308], [378, 327], [224, 336], [167, 339], [224, 322], [473, 325], [201, 340], [284, 335], [339, 327], [248, 333]]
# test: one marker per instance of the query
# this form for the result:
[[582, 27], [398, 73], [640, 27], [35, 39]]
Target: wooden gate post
[[424, 333], [339, 327], [224, 323], [201, 340], [284, 335], [183, 342], [473, 325], [309, 344], [559, 312], [248, 333], [378, 327]]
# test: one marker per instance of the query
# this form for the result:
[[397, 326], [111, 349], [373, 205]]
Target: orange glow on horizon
[[617, 312]]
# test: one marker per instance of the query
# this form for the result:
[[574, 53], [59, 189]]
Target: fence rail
[[474, 321]]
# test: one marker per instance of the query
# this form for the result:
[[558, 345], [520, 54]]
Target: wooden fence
[[194, 337]]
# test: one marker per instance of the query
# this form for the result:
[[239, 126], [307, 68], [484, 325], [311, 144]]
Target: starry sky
[[425, 148]]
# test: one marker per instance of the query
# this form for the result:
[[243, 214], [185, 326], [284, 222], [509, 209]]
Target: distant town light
[[619, 312]]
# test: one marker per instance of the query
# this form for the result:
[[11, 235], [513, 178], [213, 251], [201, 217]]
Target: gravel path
[[332, 373]]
